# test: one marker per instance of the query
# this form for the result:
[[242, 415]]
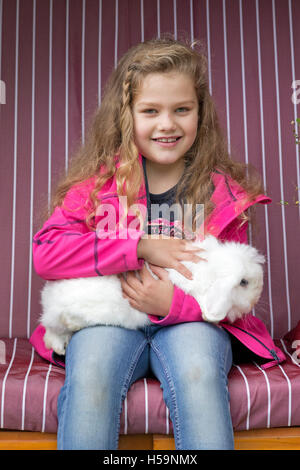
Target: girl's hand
[[148, 295], [168, 252]]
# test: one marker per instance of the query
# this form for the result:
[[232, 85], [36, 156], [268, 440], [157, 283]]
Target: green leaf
[[285, 203]]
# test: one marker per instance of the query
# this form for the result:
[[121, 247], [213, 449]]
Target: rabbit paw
[[56, 342], [212, 318]]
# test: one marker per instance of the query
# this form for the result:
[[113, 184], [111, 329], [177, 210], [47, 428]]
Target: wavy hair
[[111, 134]]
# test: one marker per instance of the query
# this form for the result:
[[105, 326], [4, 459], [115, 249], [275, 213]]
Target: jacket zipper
[[271, 351]]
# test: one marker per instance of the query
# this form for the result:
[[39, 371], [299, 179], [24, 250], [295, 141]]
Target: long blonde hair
[[111, 132]]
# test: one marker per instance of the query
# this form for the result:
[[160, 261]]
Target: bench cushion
[[29, 388]]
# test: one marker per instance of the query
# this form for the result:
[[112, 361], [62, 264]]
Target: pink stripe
[[166, 16], [136, 408], [240, 414], [108, 35], [10, 357], [183, 18], [217, 59], [150, 19], [199, 15]]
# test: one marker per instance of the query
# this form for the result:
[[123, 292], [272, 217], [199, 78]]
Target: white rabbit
[[228, 285]]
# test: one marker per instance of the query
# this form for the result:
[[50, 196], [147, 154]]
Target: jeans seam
[[226, 380], [125, 385], [225, 359], [63, 406], [172, 389], [134, 362]]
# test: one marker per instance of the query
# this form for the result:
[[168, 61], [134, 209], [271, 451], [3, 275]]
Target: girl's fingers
[[183, 270], [190, 257], [126, 287], [189, 247], [160, 272], [130, 285], [188, 250], [131, 278], [144, 273]]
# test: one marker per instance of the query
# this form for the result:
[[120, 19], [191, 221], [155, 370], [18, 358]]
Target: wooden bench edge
[[255, 439]]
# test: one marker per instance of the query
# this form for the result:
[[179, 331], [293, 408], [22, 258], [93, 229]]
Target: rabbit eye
[[244, 282]]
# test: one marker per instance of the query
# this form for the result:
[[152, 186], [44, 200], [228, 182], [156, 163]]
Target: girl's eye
[[154, 111]]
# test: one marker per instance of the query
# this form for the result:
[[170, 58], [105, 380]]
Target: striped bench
[[30, 386]]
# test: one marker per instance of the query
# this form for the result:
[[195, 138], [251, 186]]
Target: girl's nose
[[166, 122]]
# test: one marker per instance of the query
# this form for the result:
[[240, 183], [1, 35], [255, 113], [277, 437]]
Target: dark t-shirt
[[164, 215]]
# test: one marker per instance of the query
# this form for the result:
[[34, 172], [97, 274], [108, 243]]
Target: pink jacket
[[66, 248]]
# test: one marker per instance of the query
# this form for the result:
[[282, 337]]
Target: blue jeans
[[191, 361]]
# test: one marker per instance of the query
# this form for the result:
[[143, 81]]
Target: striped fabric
[[55, 57], [29, 388]]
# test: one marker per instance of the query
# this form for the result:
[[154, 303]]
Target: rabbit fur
[[227, 285]]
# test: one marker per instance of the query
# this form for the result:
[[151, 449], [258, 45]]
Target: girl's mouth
[[167, 141]]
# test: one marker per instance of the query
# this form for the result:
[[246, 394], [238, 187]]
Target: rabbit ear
[[216, 302]]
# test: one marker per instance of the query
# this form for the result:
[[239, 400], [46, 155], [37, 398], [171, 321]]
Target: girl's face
[[165, 115]]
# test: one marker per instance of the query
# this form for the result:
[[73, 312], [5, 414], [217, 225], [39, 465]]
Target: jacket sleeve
[[66, 248], [184, 307]]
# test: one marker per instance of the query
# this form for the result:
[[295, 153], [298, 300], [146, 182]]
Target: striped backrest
[[55, 57]]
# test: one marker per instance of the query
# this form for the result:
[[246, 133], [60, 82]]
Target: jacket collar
[[230, 200]]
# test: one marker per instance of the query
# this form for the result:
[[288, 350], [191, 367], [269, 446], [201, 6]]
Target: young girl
[[155, 140]]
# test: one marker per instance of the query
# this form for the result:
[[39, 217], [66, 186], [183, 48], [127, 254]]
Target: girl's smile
[[167, 141], [165, 114]]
